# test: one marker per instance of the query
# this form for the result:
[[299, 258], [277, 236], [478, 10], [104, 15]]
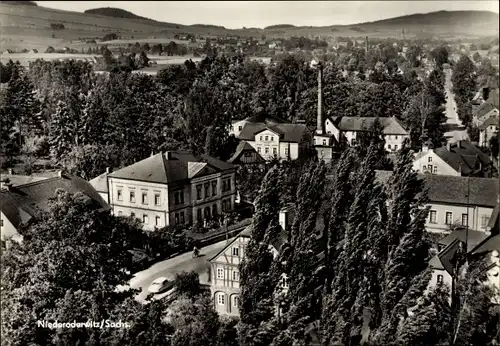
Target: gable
[[221, 255], [436, 159], [267, 132], [206, 170]]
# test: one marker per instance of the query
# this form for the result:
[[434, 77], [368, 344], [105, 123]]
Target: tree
[[67, 268], [257, 274], [476, 57], [413, 54], [440, 56], [187, 283]]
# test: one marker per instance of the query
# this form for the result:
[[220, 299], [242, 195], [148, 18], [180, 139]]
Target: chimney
[[320, 125], [448, 146], [107, 170], [486, 93], [284, 219], [10, 171]]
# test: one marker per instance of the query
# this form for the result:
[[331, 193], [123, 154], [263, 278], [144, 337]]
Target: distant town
[[236, 190]]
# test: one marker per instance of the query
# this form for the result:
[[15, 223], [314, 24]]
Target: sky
[[238, 14]]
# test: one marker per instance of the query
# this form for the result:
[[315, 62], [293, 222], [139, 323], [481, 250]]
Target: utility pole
[[467, 225]]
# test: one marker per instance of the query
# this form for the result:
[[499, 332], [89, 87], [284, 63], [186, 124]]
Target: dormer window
[[430, 159]]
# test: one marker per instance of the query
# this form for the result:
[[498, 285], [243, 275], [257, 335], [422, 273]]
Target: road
[[454, 130], [171, 266]]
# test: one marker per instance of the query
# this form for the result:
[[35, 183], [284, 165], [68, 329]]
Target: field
[[28, 27]]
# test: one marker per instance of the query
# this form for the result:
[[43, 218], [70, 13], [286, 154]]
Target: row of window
[[390, 147], [206, 188], [179, 197], [267, 138], [145, 198], [449, 218], [266, 150], [429, 169], [221, 299], [145, 218], [207, 213], [235, 274]]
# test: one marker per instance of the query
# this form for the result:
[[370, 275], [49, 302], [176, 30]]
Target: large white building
[[171, 188], [272, 137]]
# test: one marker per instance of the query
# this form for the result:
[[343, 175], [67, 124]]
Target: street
[[171, 266], [454, 130]]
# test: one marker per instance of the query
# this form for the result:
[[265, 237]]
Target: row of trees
[[356, 262]]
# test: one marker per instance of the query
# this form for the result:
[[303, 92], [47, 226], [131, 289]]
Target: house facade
[[458, 159], [173, 188]]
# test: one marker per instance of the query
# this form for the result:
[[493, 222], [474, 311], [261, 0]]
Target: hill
[[114, 12], [279, 26]]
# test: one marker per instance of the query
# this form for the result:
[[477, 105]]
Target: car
[[160, 285]]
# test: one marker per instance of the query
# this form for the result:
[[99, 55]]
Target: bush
[[57, 26]]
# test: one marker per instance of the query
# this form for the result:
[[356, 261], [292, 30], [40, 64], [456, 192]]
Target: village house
[[173, 188], [456, 201], [347, 130], [273, 137], [100, 184], [20, 204], [458, 159], [246, 154]]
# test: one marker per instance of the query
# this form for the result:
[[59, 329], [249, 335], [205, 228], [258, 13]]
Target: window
[[120, 213], [207, 213], [275, 151], [214, 188], [260, 137], [240, 128], [132, 214], [449, 218], [199, 215], [132, 196], [157, 221], [207, 190], [435, 170], [272, 138], [183, 221], [220, 273], [236, 275], [429, 168], [259, 150], [267, 138], [235, 251], [433, 216], [429, 159], [145, 218], [236, 301], [284, 282], [144, 198], [465, 219], [324, 141], [198, 191], [220, 298], [484, 220], [396, 137], [179, 197], [176, 218], [395, 147], [119, 195], [286, 151], [157, 199], [440, 279], [389, 146], [266, 149], [214, 210]]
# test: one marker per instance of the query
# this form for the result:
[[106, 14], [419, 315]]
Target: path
[[454, 130]]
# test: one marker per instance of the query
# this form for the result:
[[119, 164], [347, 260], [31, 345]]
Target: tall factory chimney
[[320, 125]]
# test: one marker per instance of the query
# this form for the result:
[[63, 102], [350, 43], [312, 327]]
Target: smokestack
[[320, 125], [107, 170]]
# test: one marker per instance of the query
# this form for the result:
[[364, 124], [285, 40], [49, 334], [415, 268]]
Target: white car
[[160, 285]]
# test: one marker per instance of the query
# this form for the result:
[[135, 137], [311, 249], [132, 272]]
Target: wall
[[394, 142], [229, 285], [104, 196], [486, 134], [447, 280], [331, 129], [8, 231], [126, 207], [442, 167], [475, 216], [268, 148], [235, 128]]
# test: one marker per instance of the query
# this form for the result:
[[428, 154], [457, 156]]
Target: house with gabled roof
[[20, 204], [173, 188], [246, 154], [458, 159]]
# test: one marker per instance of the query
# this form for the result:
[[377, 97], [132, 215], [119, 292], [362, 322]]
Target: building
[[246, 154], [20, 204], [100, 184], [458, 159], [347, 130], [488, 130], [172, 188], [272, 139], [456, 201], [262, 119], [224, 267]]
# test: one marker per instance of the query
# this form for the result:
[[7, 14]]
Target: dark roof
[[462, 156], [16, 179], [21, 203], [483, 109], [488, 245], [391, 125], [473, 238], [171, 166], [493, 120], [287, 132], [448, 189], [243, 147], [493, 98], [266, 119], [446, 258]]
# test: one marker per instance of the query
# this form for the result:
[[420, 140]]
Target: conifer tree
[[258, 279]]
